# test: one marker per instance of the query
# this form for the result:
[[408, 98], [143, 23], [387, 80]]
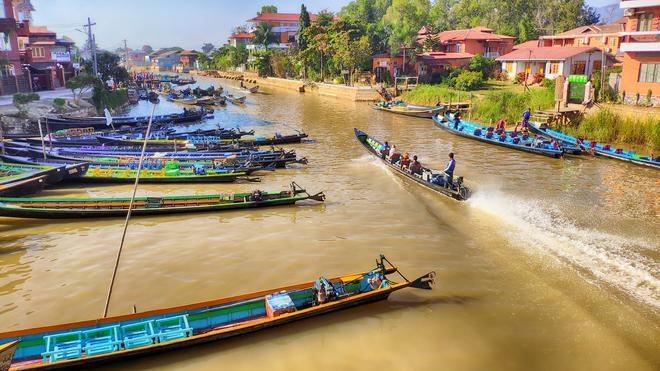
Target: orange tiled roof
[[546, 53]]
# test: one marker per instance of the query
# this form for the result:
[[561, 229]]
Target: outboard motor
[[459, 181]]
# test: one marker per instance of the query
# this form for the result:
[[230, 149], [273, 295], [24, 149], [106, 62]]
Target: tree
[[325, 18], [147, 49], [81, 84], [481, 64], [263, 35], [207, 48], [304, 23], [268, 9], [588, 16], [108, 66], [403, 19]]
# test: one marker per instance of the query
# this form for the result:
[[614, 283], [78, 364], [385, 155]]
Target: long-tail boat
[[63, 122], [604, 150], [457, 190], [125, 174], [10, 171], [23, 186], [71, 169], [524, 142], [85, 343], [205, 140], [68, 208], [402, 108]]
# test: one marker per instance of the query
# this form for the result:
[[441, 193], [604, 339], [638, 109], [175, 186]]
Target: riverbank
[[616, 124], [14, 121], [350, 93]]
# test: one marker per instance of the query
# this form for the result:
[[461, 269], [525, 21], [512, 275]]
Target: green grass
[[507, 104], [606, 126]]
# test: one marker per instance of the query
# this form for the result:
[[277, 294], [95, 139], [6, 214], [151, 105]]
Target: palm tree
[[263, 35]]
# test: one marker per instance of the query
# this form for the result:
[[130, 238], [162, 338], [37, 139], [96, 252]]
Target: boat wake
[[605, 257]]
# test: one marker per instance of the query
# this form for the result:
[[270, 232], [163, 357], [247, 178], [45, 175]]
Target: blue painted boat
[[85, 343], [471, 130], [605, 150]]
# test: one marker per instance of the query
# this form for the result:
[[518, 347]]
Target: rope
[[128, 215]]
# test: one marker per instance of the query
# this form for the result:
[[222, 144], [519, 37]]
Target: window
[[7, 71], [5, 43], [644, 22], [2, 12], [579, 68], [649, 72], [554, 68], [38, 52], [597, 66], [613, 42], [508, 67], [22, 41]]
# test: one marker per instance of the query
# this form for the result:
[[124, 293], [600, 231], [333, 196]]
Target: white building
[[553, 61]]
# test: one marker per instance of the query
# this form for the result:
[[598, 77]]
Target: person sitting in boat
[[394, 155], [385, 149], [502, 137], [415, 166], [501, 123], [405, 161]]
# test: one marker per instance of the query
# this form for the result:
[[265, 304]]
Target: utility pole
[[602, 75], [92, 43], [126, 55]]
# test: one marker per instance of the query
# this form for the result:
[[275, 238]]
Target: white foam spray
[[605, 257]]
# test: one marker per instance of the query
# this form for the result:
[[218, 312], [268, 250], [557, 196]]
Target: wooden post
[[50, 136], [41, 136], [2, 135]]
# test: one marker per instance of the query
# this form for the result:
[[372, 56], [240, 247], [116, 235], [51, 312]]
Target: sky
[[164, 23]]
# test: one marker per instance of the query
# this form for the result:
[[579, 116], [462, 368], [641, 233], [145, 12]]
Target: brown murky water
[[553, 264]]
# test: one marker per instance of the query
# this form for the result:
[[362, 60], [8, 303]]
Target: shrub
[[520, 77], [469, 80], [538, 78], [20, 99], [59, 103], [338, 80], [109, 99], [549, 83], [479, 63]]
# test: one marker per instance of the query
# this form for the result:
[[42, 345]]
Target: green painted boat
[[11, 172], [167, 174], [69, 208], [90, 342]]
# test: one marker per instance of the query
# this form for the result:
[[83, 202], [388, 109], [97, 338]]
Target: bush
[[338, 80], [22, 99], [469, 80], [479, 63], [548, 83], [520, 77], [59, 103], [538, 78], [109, 99]]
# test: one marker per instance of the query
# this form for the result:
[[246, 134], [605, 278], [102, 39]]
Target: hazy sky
[[163, 23]]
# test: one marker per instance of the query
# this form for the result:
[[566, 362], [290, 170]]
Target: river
[[552, 264]]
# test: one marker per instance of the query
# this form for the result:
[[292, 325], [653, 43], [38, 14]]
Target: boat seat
[[101, 340], [138, 334], [67, 345], [172, 328]]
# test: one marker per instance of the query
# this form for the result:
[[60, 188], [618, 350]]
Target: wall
[[630, 75]]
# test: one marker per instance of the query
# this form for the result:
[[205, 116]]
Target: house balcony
[[285, 29], [640, 41], [491, 54], [627, 4]]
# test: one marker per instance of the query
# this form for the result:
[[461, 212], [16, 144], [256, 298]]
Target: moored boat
[[67, 208], [402, 108], [10, 171], [23, 186], [604, 150], [72, 169], [84, 343], [481, 133], [167, 174], [457, 190]]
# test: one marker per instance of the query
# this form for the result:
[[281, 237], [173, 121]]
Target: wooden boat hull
[[457, 195], [54, 208], [23, 187], [71, 170], [220, 178], [425, 114], [597, 150], [53, 174], [534, 150], [204, 317]]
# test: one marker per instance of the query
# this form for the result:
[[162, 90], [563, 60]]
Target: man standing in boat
[[446, 179], [525, 119]]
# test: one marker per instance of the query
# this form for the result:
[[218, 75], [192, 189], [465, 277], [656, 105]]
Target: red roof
[[444, 56], [477, 33], [40, 30], [527, 45], [546, 53], [280, 17], [242, 35]]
